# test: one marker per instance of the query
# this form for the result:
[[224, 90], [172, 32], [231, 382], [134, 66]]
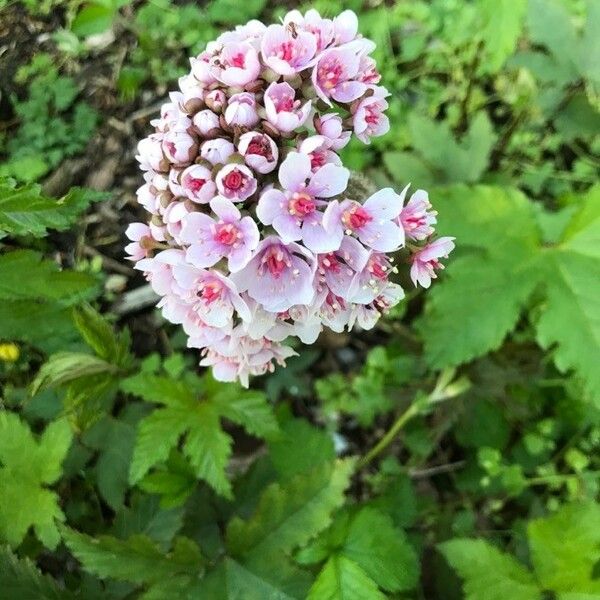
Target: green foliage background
[[451, 453]]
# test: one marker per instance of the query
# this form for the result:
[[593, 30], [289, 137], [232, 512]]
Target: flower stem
[[387, 439], [444, 389]]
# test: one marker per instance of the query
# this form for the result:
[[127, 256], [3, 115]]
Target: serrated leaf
[[65, 367], [485, 289], [502, 24], [26, 467], [44, 280], [193, 409], [570, 317], [382, 551], [342, 579], [19, 578], [46, 325], [488, 573], [25, 210], [453, 161], [289, 514], [101, 337], [291, 459], [565, 548], [136, 560]]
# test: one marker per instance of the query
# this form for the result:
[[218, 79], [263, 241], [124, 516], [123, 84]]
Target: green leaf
[[488, 573], [342, 579], [565, 548], [570, 317], [44, 281], [137, 560], [101, 337], [93, 19], [290, 514], [382, 551], [64, 367], [46, 325], [19, 578], [455, 161], [24, 210], [27, 466], [206, 445], [486, 288], [502, 24], [291, 459]]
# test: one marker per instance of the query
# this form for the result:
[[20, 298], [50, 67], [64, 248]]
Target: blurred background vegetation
[[490, 382]]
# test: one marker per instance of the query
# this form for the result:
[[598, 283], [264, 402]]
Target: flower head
[[426, 262], [283, 110]]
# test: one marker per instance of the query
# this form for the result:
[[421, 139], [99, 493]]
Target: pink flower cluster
[[254, 234]]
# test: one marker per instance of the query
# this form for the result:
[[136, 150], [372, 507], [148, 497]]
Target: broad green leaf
[[46, 325], [455, 161], [101, 337], [193, 409], [247, 408], [26, 467], [342, 579], [136, 560], [488, 573], [291, 459], [44, 281], [550, 24], [114, 439], [565, 548], [502, 24], [65, 367], [25, 210], [487, 286], [382, 551], [92, 19], [570, 317], [20, 579], [290, 514]]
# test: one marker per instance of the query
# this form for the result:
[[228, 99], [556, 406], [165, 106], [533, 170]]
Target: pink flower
[[345, 27], [173, 216], [321, 29], [206, 121], [287, 50], [142, 241], [373, 221], [331, 126], [212, 295], [417, 218], [425, 261], [150, 153], [197, 184], [230, 236], [201, 67], [283, 111], [251, 32], [216, 100], [236, 182], [373, 278], [368, 118], [294, 213], [147, 197], [217, 151], [278, 276], [334, 75], [159, 270], [317, 148], [241, 110], [338, 269], [368, 71], [259, 151], [236, 65]]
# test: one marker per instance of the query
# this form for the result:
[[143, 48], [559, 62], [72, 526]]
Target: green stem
[[387, 439]]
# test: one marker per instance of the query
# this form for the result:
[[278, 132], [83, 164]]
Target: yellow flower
[[9, 352]]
